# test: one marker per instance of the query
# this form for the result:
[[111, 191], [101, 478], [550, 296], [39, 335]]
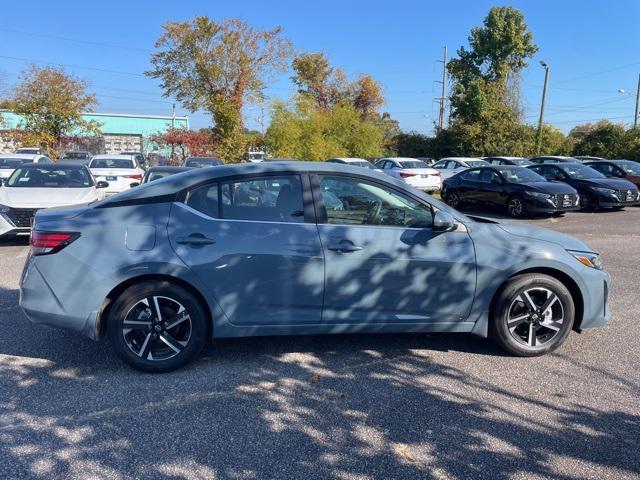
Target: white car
[[450, 166], [9, 162], [356, 162], [415, 172], [32, 187], [119, 171], [29, 150]]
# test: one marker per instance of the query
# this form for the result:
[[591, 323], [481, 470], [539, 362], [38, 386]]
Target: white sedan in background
[[9, 162], [416, 173], [119, 171], [353, 161], [450, 166], [32, 187]]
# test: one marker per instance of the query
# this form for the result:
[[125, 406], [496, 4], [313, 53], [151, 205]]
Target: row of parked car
[[548, 184], [32, 181]]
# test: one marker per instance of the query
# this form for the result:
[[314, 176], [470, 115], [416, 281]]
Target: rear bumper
[[426, 184]]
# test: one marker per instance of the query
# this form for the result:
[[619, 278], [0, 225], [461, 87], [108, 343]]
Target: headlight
[[606, 191], [537, 194], [592, 260]]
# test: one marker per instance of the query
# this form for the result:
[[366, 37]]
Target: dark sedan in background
[[627, 169], [595, 190], [519, 161], [517, 189], [554, 159], [199, 162]]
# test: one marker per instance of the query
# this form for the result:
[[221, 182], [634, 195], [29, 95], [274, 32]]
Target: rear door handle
[[344, 246], [196, 240]]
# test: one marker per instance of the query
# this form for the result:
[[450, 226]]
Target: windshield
[[75, 156], [11, 162], [111, 163], [50, 177], [363, 164], [476, 163], [581, 172], [630, 167], [520, 175], [202, 162], [157, 176], [413, 164]]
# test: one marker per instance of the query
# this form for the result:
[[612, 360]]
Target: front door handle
[[344, 246], [195, 240]]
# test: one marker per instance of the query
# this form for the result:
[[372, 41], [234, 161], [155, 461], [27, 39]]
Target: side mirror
[[134, 184], [443, 222], [102, 184]]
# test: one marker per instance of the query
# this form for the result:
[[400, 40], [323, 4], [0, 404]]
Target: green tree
[[497, 52], [50, 103], [631, 149], [306, 132], [604, 139], [318, 80], [218, 67]]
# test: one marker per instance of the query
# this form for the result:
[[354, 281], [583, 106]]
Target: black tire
[[514, 334], [586, 201], [453, 199], [155, 345], [516, 207]]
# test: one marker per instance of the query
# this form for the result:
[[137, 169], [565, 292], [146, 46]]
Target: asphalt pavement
[[401, 406]]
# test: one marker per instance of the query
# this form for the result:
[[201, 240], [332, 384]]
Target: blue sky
[[591, 46]]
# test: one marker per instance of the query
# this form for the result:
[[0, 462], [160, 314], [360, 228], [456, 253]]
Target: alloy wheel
[[535, 317], [454, 199], [157, 328], [516, 207]]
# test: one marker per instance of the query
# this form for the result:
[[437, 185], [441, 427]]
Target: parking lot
[[346, 407]]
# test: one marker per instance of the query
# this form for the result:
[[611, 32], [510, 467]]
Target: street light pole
[[544, 99], [635, 117]]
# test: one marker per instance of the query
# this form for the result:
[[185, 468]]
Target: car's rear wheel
[[533, 315], [453, 199], [157, 326]]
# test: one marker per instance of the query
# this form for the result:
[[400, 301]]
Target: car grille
[[627, 195], [21, 217], [560, 199]]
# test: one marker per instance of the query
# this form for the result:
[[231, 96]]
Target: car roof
[[40, 166], [507, 158], [21, 155], [169, 168], [462, 159], [117, 156], [557, 164], [401, 159], [175, 183], [349, 159]]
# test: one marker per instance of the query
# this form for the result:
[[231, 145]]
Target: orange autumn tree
[[184, 142], [218, 67]]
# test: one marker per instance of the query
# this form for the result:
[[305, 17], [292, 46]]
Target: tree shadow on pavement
[[351, 406]]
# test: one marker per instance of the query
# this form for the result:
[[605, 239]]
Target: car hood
[[24, 197], [614, 183], [565, 241], [550, 187]]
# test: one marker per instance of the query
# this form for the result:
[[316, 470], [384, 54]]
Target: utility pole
[[442, 98], [544, 99], [635, 117], [173, 116]]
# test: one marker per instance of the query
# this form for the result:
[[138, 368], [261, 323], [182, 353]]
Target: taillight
[[43, 243], [407, 175], [137, 176], [436, 174]]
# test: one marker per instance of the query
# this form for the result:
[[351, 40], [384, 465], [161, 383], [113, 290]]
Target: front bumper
[[555, 204], [8, 227], [619, 199], [596, 289]]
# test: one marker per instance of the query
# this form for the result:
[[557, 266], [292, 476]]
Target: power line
[[80, 67], [75, 40], [601, 72]]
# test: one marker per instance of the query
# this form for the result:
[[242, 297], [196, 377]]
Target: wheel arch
[[567, 281], [101, 323]]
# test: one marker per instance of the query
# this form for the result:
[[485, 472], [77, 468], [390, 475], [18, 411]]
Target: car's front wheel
[[533, 315], [157, 326], [516, 207]]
